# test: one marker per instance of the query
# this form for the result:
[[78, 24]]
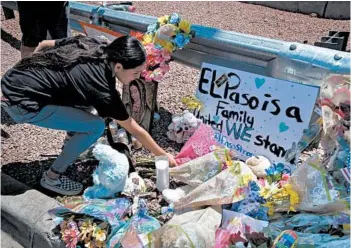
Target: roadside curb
[[24, 215]]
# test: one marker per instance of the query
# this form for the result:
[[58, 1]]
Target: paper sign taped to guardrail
[[253, 114]]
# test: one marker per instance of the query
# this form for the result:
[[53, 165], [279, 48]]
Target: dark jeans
[[87, 127], [39, 18]]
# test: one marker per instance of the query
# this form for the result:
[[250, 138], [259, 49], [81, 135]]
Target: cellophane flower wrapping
[[195, 229], [111, 212], [201, 169], [316, 188], [199, 144], [224, 188]]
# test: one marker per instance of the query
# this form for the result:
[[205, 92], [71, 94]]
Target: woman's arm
[[144, 137], [43, 44]]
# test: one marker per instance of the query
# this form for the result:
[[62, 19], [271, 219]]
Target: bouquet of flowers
[[90, 224], [277, 190], [162, 38], [84, 231]]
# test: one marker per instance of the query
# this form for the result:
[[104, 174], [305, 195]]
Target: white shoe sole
[[58, 190]]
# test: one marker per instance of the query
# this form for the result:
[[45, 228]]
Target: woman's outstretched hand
[[144, 137], [171, 159]]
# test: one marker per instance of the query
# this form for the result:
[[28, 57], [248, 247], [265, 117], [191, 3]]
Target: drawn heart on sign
[[283, 127], [216, 118], [259, 82]]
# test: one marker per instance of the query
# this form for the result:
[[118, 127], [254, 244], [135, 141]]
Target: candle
[[162, 173]]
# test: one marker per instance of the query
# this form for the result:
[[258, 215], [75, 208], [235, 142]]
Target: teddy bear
[[111, 175], [258, 165], [182, 127]]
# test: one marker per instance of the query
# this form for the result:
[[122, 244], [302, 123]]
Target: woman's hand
[[144, 137], [171, 159], [44, 44]]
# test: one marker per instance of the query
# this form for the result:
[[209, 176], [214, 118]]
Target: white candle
[[162, 173]]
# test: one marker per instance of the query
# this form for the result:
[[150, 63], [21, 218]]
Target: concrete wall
[[328, 9]]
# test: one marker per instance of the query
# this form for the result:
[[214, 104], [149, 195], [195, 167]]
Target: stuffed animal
[[182, 127], [111, 174], [258, 165]]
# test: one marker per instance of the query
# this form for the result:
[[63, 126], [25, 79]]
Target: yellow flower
[[277, 196], [235, 222], [269, 190], [100, 244], [89, 244], [147, 38], [185, 26], [192, 102], [294, 196], [159, 41], [100, 235], [169, 47], [246, 179], [269, 205], [163, 19], [86, 229]]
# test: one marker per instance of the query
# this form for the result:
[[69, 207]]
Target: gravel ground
[[28, 150]]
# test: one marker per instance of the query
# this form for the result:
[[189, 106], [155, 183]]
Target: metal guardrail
[[274, 58]]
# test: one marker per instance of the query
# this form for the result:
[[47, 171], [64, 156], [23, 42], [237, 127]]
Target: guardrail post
[[335, 40]]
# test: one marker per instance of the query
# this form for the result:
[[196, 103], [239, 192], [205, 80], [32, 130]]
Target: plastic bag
[[194, 229], [199, 144], [236, 227], [335, 101], [310, 223], [140, 223], [111, 211], [135, 184], [315, 188], [308, 228], [223, 188], [199, 170]]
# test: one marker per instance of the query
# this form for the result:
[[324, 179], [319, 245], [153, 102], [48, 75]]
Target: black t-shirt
[[85, 84]]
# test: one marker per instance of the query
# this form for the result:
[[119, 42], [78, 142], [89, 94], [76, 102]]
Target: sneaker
[[62, 185]]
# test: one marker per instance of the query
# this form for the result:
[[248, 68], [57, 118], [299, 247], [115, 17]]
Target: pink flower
[[285, 177], [284, 180], [70, 237], [262, 182], [166, 55], [282, 183], [151, 49], [70, 233]]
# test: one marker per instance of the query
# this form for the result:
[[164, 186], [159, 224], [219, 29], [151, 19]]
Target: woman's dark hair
[[125, 50]]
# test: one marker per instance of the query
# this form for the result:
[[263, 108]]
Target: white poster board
[[253, 114]]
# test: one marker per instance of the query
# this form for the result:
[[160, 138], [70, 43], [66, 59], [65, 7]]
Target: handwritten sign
[[253, 114]]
